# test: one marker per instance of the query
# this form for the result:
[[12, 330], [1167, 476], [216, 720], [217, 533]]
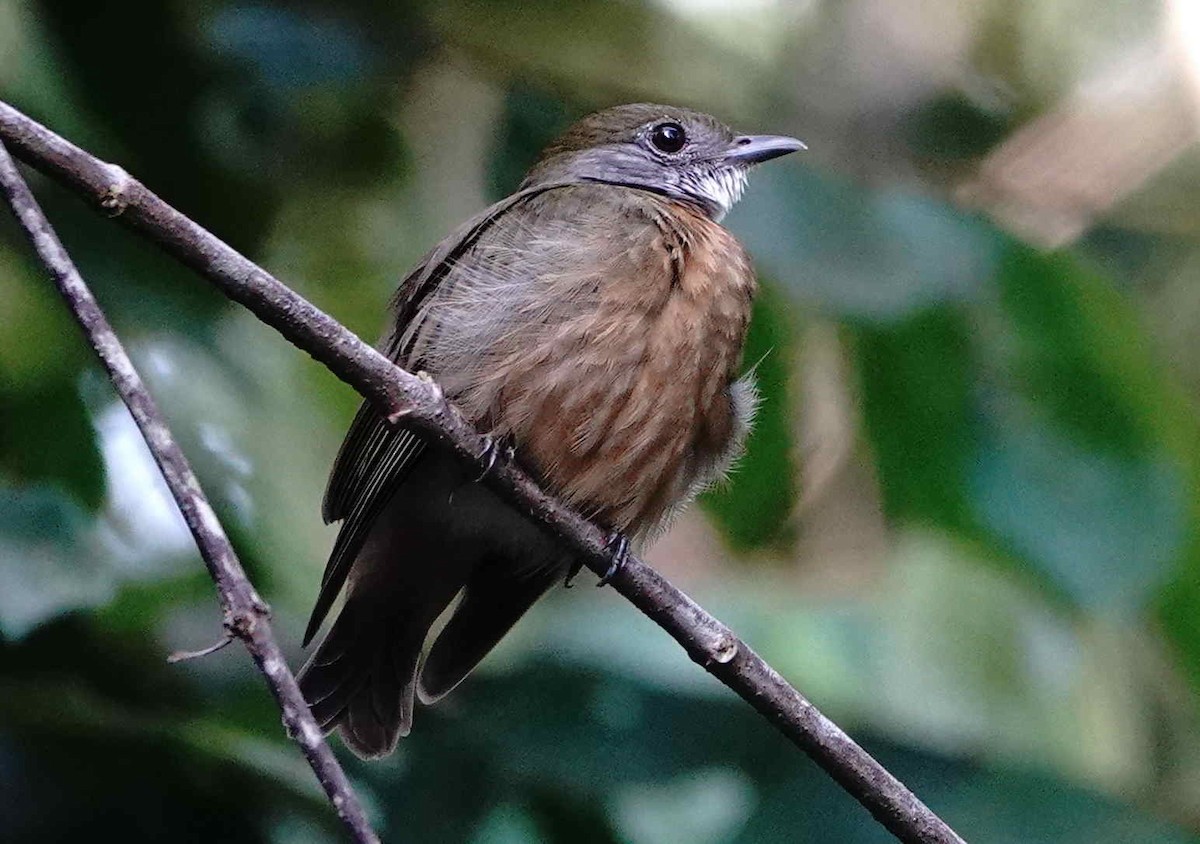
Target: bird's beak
[[755, 149]]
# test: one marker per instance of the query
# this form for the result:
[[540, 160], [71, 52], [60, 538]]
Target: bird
[[592, 325]]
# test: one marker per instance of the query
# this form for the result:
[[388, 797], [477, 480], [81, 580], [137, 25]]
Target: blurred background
[[968, 525]]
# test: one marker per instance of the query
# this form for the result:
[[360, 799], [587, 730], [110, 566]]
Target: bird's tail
[[496, 596], [363, 678]]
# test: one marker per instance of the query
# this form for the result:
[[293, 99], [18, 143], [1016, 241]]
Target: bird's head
[[676, 152]]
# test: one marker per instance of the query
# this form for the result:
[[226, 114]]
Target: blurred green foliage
[[968, 524]]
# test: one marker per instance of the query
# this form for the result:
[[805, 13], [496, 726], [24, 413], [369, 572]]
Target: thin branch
[[219, 645], [246, 615], [417, 400]]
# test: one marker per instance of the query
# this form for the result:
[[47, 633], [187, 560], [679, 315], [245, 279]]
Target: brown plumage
[[595, 320]]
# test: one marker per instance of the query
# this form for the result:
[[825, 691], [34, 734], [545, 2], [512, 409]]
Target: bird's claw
[[618, 548], [495, 449], [575, 568]]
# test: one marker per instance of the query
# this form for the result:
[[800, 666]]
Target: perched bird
[[593, 321]]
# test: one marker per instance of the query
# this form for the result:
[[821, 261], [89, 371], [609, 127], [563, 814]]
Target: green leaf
[[1041, 428], [1106, 528], [46, 435], [1072, 331], [1079, 467], [916, 398], [953, 127], [878, 255]]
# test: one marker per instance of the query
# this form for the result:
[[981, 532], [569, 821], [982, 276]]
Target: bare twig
[[399, 394], [246, 615], [183, 656]]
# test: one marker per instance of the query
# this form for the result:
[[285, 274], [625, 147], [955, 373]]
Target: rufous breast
[[626, 401]]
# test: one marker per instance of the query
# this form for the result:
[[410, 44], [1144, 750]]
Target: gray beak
[[755, 149]]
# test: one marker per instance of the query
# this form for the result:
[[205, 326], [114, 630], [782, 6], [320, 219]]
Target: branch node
[[238, 624], [726, 650], [113, 200], [241, 622]]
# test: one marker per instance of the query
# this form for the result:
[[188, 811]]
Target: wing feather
[[376, 456]]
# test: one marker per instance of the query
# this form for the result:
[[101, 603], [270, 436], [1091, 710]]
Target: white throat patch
[[722, 186]]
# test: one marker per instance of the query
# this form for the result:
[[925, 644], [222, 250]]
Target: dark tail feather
[[362, 679], [495, 597]]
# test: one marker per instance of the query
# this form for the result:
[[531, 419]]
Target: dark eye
[[668, 137]]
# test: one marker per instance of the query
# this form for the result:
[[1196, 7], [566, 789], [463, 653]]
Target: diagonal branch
[[246, 615], [416, 399]]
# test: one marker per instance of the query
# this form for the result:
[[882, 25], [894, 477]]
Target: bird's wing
[[376, 456]]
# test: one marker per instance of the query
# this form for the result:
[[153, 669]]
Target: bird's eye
[[668, 137]]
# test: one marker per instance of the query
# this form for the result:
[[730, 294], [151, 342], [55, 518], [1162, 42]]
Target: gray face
[[677, 152]]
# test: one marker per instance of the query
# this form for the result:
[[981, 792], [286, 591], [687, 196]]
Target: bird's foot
[[618, 549], [495, 450], [575, 568]]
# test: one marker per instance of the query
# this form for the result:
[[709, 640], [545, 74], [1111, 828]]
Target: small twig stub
[[184, 656]]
